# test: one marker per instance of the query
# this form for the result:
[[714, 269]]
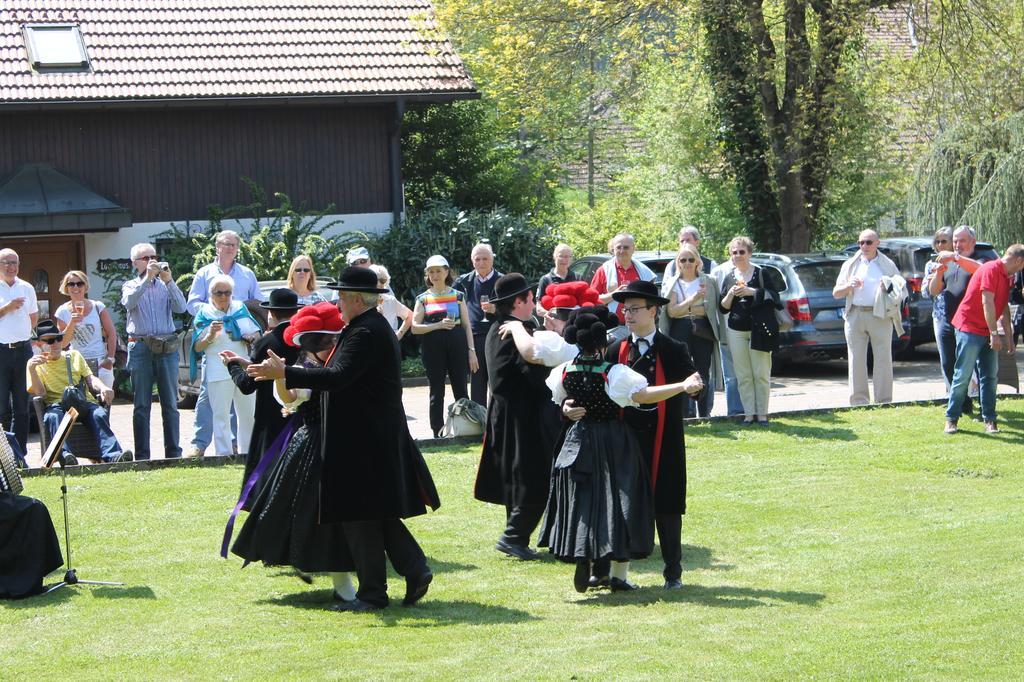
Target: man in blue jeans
[[978, 337], [150, 299], [246, 289]]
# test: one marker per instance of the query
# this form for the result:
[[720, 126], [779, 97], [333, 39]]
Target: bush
[[519, 244]]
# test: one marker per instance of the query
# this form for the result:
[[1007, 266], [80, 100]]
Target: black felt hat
[[47, 329], [641, 289], [355, 278], [509, 286], [282, 299]]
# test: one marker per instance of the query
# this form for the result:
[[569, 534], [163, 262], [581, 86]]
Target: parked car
[[805, 283], [657, 261], [188, 390], [911, 254]]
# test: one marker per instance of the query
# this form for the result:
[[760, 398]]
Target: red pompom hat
[[569, 296], [322, 318]]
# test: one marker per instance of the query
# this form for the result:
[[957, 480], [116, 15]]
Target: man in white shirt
[[864, 280], [19, 312]]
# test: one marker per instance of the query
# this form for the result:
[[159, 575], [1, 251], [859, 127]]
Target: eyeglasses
[[303, 270], [76, 284], [633, 310], [738, 252], [9, 263], [866, 242], [149, 257], [221, 293], [361, 261], [230, 245], [687, 260]]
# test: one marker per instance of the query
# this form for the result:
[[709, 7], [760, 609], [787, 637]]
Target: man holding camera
[[150, 299]]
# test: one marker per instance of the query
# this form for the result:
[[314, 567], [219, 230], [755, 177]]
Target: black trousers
[[478, 381], [670, 538], [701, 350], [520, 522], [445, 357], [14, 400], [371, 544]]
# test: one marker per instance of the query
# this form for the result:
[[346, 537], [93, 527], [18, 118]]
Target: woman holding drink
[[87, 326]]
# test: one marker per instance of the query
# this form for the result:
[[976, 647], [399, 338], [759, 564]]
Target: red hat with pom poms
[[564, 297], [322, 318]]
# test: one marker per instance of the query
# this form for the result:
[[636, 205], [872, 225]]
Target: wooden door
[[44, 262]]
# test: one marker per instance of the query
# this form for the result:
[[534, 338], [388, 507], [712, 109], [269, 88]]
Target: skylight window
[[55, 46]]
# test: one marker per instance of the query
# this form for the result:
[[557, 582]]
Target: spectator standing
[[618, 271], [1017, 298], [953, 271], [560, 273], [151, 299], [478, 286], [47, 376], [394, 311], [752, 329], [694, 319], [933, 269], [359, 257], [985, 305], [225, 325], [690, 235], [87, 326], [874, 292], [302, 280], [246, 288], [441, 320], [19, 313]]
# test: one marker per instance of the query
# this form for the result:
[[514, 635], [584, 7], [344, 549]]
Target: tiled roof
[[185, 49]]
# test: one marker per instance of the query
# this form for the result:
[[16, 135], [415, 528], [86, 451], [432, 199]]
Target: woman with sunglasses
[[87, 326], [752, 331], [224, 324], [302, 280], [693, 318]]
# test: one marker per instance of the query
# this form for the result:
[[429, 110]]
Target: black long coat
[[674, 356], [521, 427], [372, 467], [269, 420]]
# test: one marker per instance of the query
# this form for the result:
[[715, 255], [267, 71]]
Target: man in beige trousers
[[874, 292]]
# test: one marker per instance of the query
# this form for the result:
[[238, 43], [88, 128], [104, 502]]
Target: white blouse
[[623, 383], [551, 350]]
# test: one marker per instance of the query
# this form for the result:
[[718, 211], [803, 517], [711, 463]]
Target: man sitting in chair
[[48, 377]]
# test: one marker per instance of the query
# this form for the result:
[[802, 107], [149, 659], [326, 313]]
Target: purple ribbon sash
[[269, 455]]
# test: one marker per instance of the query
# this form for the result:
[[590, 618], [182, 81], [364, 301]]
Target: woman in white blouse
[[87, 326]]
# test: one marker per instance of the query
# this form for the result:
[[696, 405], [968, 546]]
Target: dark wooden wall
[[172, 164]]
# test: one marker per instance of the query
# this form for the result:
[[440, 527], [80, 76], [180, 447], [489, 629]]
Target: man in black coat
[[269, 419], [662, 360], [373, 475], [521, 426]]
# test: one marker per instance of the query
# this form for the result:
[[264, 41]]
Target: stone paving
[[795, 387]]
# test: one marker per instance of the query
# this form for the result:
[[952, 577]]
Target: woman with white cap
[[441, 320]]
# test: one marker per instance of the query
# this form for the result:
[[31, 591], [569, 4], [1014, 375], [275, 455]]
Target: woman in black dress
[[600, 504], [282, 529]]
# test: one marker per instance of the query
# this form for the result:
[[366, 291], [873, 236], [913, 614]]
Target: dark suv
[[911, 254]]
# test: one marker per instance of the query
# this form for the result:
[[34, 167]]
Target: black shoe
[[356, 606], [69, 460], [338, 598], [581, 579], [618, 585], [599, 581], [674, 584], [517, 551], [306, 578], [416, 587]]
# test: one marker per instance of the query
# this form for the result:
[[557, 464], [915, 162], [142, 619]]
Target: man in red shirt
[[978, 338], [619, 271]]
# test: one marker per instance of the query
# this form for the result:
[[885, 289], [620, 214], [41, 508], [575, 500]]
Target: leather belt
[[16, 344], [870, 308]]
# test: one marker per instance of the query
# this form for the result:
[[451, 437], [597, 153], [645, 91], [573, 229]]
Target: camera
[[165, 267]]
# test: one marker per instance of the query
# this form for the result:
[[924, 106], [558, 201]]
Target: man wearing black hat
[[663, 360], [268, 420], [521, 428], [373, 475]]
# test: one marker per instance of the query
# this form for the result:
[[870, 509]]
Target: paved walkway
[[795, 387]]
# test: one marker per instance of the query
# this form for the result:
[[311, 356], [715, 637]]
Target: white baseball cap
[[437, 261]]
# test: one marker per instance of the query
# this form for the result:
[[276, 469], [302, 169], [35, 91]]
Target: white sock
[[343, 585], [620, 569]]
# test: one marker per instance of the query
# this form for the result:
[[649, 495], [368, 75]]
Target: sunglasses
[[941, 241], [303, 270], [687, 260], [361, 261], [53, 342], [738, 252], [146, 258], [221, 293], [866, 242], [76, 284]]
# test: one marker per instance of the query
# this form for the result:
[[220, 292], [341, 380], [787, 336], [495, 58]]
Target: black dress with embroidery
[[283, 527], [600, 504]]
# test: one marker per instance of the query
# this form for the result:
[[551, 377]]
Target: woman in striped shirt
[[441, 320]]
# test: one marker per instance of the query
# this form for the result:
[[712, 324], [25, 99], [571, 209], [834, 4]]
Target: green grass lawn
[[859, 544]]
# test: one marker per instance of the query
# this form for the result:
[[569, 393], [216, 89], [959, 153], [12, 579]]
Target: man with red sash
[[659, 428]]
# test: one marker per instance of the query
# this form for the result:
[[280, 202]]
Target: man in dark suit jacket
[[476, 283], [269, 420], [374, 475], [662, 360]]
